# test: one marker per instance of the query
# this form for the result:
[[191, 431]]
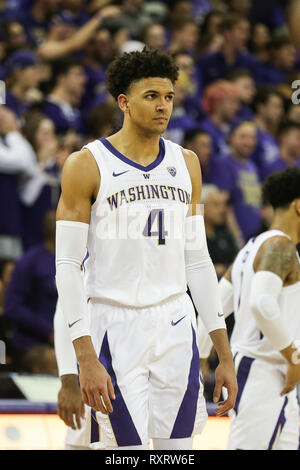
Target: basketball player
[[129, 206], [262, 288]]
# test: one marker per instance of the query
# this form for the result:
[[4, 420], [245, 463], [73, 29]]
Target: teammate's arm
[[80, 183], [273, 264], [203, 284]]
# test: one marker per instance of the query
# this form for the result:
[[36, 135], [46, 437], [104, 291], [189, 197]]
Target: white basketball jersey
[[136, 236], [246, 337]]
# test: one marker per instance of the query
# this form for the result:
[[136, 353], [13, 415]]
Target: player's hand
[[292, 377], [70, 401], [225, 377], [96, 386]]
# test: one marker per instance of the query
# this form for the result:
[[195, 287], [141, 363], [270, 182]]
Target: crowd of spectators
[[233, 107]]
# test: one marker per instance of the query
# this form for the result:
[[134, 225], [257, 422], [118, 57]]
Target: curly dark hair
[[282, 187], [130, 67]]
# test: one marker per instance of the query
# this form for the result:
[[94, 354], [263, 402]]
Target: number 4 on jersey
[[161, 233]]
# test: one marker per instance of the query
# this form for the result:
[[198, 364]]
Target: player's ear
[[297, 206], [123, 102]]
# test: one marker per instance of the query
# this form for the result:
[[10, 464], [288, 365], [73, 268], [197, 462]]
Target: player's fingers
[[90, 399], [111, 390], [107, 401], [222, 410], [59, 410], [217, 391], [99, 405], [70, 420], [85, 397], [78, 420]]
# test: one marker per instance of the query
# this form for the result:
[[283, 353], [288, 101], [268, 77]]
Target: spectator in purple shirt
[[184, 35], [260, 38], [221, 103], [180, 121], [282, 61], [23, 76], [200, 142], [236, 174], [192, 102], [269, 108], [31, 297], [289, 148], [62, 105], [246, 85], [154, 36], [233, 54]]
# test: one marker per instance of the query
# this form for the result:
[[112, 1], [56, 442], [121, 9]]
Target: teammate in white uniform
[[262, 288], [124, 207]]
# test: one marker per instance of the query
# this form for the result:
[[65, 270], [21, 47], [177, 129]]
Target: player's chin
[[161, 124]]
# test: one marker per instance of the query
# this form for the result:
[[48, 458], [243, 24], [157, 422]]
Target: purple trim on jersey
[[85, 258], [122, 424], [281, 422], [95, 437], [242, 376], [124, 159], [185, 421]]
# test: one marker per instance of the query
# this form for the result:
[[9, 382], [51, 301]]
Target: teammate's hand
[[70, 401], [225, 377], [96, 386], [292, 377]]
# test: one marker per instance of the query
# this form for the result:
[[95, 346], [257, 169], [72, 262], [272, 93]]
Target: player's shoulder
[[277, 251], [191, 159], [278, 243], [80, 170]]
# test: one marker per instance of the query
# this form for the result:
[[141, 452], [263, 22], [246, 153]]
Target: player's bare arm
[[225, 373], [70, 401], [78, 193], [278, 256]]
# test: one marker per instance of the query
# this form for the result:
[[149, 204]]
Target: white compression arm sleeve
[[265, 290], [204, 341], [64, 350], [201, 275], [71, 242]]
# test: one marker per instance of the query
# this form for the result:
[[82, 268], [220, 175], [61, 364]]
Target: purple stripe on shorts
[[280, 423], [242, 376], [94, 427], [185, 421], [123, 426]]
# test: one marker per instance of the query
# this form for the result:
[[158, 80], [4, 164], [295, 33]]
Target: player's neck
[[284, 222], [137, 146]]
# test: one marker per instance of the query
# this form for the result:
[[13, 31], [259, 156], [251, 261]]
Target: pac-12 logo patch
[[172, 170]]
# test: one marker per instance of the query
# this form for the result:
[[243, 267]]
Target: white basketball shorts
[[152, 358], [262, 419]]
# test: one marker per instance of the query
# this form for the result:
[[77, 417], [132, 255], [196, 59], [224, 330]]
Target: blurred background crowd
[[235, 108]]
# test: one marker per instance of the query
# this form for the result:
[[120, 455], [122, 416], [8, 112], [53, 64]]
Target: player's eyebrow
[[157, 93]]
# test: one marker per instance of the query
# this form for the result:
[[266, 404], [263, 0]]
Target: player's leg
[[288, 438], [121, 340], [176, 402], [259, 410]]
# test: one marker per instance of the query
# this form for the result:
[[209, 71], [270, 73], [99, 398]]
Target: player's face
[[149, 104]]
